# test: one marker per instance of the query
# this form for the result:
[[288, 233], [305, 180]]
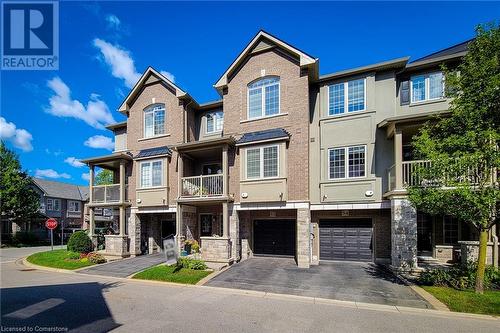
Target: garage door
[[274, 237], [346, 239]]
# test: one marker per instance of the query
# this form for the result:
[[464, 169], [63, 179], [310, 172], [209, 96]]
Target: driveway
[[125, 267], [349, 281]]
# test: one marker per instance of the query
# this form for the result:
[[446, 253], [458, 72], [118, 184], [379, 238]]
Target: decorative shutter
[[405, 92]]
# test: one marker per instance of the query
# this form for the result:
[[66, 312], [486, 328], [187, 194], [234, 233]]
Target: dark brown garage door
[[274, 237], [345, 239]]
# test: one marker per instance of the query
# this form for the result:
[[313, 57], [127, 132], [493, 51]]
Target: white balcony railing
[[410, 176], [106, 193], [202, 186]]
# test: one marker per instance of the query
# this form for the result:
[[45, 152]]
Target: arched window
[[264, 97], [154, 120]]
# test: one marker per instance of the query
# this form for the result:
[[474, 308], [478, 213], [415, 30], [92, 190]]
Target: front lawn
[[467, 301], [59, 259], [172, 274]]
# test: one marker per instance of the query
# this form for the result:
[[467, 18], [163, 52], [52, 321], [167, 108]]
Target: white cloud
[[168, 75], [95, 114], [113, 21], [100, 141], [74, 162], [20, 138], [50, 173], [86, 176]]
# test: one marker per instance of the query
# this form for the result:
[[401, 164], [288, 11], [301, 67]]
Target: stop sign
[[51, 224]]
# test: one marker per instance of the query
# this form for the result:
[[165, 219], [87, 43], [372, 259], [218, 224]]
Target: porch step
[[427, 259]]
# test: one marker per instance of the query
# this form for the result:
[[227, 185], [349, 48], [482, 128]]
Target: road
[[83, 303]]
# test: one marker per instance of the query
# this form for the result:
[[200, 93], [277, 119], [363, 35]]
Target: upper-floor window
[[154, 120], [262, 162], [427, 87], [74, 206], [347, 162], [348, 96], [215, 121], [264, 98], [54, 204], [151, 174]]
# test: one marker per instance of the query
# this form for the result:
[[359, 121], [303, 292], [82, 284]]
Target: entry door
[[206, 224], [345, 239], [167, 228], [424, 234], [274, 237]]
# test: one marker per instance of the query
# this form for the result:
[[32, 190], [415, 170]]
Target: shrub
[[96, 258], [195, 247], [80, 242], [73, 255], [460, 277], [191, 264]]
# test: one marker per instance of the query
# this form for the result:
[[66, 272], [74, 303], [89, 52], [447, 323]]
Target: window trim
[[346, 162], [206, 122], [346, 98], [52, 203], [79, 206], [263, 99], [427, 88], [261, 162], [150, 109], [151, 174]]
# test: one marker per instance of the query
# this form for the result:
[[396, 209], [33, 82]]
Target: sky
[[52, 119]]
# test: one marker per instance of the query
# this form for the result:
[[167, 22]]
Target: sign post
[[51, 224]]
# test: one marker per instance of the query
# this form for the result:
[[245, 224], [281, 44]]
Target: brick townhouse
[[288, 162]]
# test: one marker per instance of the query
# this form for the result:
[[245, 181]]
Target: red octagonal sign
[[51, 224]]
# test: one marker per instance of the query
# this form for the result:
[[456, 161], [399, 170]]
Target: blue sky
[[54, 118]]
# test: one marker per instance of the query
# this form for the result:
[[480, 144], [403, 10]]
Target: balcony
[[409, 175], [202, 186], [107, 193]]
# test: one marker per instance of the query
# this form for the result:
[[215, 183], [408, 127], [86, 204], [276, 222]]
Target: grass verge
[[172, 274], [467, 301], [58, 259]]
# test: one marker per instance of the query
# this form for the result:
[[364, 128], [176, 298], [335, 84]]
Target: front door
[[424, 234], [206, 224]]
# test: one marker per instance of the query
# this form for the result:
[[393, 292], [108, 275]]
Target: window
[[450, 230], [215, 121], [347, 162], [74, 206], [54, 204], [353, 100], [264, 98], [262, 162], [154, 121], [427, 87], [151, 174]]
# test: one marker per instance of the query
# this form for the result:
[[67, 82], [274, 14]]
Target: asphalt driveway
[[125, 267], [349, 281]]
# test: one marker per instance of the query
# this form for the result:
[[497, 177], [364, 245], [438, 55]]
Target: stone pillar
[[403, 235], [91, 222], [134, 227], [123, 230], [179, 225], [398, 158], [303, 240], [234, 232]]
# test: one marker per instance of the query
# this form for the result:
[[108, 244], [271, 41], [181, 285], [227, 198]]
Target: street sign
[[51, 224]]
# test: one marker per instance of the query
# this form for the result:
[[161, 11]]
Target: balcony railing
[[202, 186], [106, 193], [410, 177]]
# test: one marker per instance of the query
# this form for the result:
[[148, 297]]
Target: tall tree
[[103, 177], [463, 146], [18, 199]]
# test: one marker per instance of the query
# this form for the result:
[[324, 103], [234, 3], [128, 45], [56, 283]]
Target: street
[[82, 303]]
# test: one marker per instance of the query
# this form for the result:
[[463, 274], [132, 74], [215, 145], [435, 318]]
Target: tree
[[463, 146], [19, 201], [103, 177]]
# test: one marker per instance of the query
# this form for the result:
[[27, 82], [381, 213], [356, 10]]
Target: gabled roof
[[305, 59], [179, 93], [389, 64], [452, 50], [61, 190], [150, 152], [263, 136]]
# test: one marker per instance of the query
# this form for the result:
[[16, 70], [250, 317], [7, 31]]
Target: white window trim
[[261, 161], [346, 162], [151, 174], [74, 211], [346, 98], [149, 109], [52, 203], [427, 88], [206, 122], [263, 99]]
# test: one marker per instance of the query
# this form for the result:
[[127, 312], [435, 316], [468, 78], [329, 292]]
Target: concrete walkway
[[125, 267]]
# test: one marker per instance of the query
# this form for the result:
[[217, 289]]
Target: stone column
[[398, 158], [122, 221], [403, 234], [134, 227], [234, 232], [179, 225], [303, 240]]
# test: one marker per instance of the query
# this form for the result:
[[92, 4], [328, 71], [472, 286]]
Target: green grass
[[172, 274], [467, 301], [57, 259]]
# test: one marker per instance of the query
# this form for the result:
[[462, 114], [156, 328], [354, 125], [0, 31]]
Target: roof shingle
[[62, 190]]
